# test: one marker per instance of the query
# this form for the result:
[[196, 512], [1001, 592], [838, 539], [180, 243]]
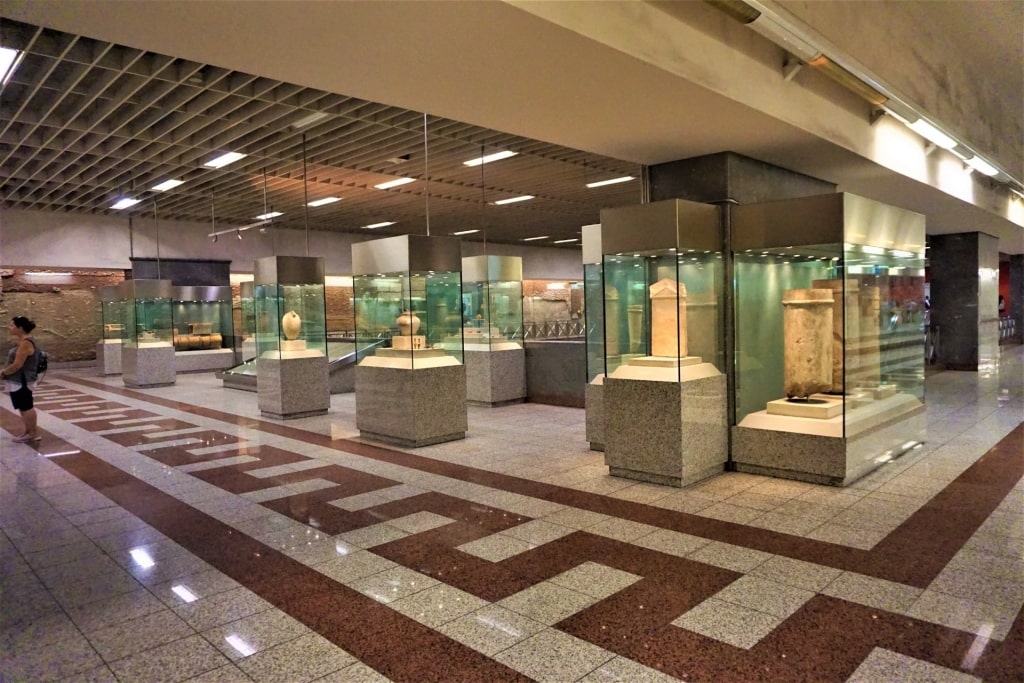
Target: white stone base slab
[[288, 388], [594, 404], [666, 432], [495, 377], [149, 365], [203, 361], [108, 356], [816, 408], [812, 450], [666, 361], [411, 407], [409, 342]]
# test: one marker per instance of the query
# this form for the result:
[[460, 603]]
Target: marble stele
[[668, 319], [807, 340]]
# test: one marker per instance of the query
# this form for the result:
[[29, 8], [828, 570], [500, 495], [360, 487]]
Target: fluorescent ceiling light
[[268, 216], [574, 239], [310, 120], [932, 134], [9, 61], [374, 226], [531, 239], [982, 166], [125, 202], [612, 181], [168, 185], [488, 158], [465, 232], [224, 159], [513, 200], [324, 202], [395, 183]]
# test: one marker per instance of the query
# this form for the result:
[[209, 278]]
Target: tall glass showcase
[[246, 330], [593, 320], [829, 336], [147, 355], [664, 387], [492, 310], [291, 336], [112, 315], [411, 380], [202, 328]]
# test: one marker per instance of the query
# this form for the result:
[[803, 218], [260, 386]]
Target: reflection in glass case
[[202, 318], [416, 312], [492, 301], [148, 320], [829, 334], [246, 328], [661, 307], [290, 320], [112, 312]]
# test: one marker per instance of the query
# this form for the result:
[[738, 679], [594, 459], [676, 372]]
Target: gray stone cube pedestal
[[108, 356], [495, 378], [147, 366], [665, 432], [289, 388], [411, 407]]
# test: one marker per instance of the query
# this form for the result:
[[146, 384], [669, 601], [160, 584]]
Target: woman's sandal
[[25, 438]]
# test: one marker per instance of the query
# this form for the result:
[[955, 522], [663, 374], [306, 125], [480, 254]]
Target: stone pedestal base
[[148, 365], [495, 377], [594, 397], [293, 387], [666, 432], [108, 356], [202, 361], [411, 407], [825, 451]]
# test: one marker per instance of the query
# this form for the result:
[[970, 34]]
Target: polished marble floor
[[173, 534]]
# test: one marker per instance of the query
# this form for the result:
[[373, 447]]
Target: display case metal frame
[[593, 320], [870, 407], [292, 374], [147, 354], [665, 417], [413, 391], [494, 355]]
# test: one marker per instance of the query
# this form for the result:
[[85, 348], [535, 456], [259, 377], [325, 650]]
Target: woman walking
[[20, 375]]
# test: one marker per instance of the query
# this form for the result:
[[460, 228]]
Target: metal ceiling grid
[[84, 122]]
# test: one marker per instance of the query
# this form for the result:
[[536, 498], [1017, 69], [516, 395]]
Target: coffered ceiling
[[86, 122]]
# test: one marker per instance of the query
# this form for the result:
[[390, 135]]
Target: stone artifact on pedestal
[[870, 333], [668, 319], [702, 322], [841, 328], [611, 331], [635, 316], [807, 332]]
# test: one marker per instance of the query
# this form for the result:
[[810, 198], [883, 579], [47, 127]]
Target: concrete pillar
[[964, 271]]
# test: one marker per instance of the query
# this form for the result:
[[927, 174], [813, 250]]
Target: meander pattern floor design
[[174, 535]]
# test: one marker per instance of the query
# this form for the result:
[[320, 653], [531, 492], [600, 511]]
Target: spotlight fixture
[[215, 238], [224, 159], [488, 158], [239, 234]]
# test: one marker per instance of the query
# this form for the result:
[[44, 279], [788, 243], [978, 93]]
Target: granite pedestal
[[666, 432], [825, 451], [108, 356], [289, 388], [495, 374], [407, 405], [594, 396], [201, 361], [148, 365]]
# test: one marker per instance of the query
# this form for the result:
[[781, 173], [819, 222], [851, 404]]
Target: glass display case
[[665, 391], [202, 318], [148, 318], [829, 310], [410, 379], [246, 328], [291, 336], [112, 312], [492, 301]]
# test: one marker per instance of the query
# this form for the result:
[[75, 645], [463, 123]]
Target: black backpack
[[44, 359]]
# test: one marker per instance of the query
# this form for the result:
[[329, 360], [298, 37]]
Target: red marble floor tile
[[137, 438], [1004, 662], [103, 423], [174, 456]]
